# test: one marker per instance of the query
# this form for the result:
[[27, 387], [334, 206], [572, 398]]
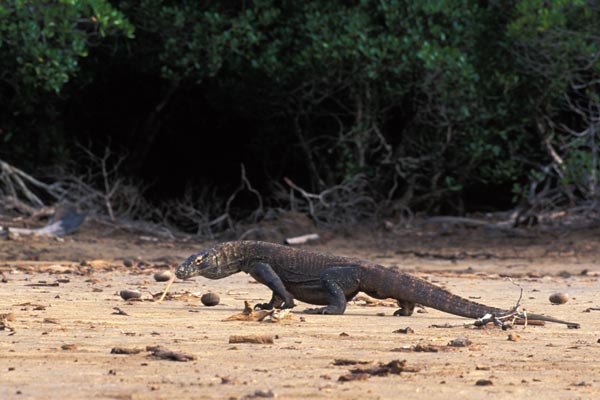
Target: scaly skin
[[329, 280]]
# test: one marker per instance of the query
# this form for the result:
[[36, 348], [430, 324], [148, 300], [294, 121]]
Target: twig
[[14, 183], [118, 311], [162, 297], [345, 203], [244, 184]]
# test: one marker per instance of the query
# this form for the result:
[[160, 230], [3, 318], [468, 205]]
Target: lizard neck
[[233, 257]]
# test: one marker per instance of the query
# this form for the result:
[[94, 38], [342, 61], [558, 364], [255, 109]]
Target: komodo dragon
[[330, 280]]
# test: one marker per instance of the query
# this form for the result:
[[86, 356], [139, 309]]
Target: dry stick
[[512, 314], [308, 196], [13, 176], [244, 184], [166, 289]]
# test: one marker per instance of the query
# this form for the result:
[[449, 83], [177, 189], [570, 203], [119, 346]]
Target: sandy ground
[[57, 343]]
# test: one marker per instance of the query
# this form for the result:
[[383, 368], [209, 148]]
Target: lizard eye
[[200, 258]]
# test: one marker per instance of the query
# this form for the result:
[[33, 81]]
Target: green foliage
[[41, 41], [439, 95], [41, 45], [556, 50]]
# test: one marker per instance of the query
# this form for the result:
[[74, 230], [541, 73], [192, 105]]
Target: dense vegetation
[[436, 105]]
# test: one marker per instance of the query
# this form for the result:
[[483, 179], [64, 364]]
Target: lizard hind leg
[[406, 308]]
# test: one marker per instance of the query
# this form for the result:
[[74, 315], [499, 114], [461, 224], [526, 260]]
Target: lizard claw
[[263, 306], [288, 305], [323, 310], [320, 310]]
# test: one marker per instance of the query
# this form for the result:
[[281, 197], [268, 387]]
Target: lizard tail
[[417, 290], [409, 288]]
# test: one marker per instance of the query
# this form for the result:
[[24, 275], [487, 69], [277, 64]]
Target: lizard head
[[207, 264]]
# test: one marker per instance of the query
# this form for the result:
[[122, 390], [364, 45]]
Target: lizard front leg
[[264, 274], [339, 283], [275, 302]]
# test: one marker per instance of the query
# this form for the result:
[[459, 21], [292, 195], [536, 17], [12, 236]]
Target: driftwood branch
[[66, 225]]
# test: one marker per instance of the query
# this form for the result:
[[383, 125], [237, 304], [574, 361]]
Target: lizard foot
[[406, 308], [322, 310], [401, 312], [263, 306]]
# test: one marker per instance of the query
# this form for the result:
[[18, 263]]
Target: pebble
[[559, 298], [460, 341], [210, 299], [162, 276], [128, 294], [513, 337]]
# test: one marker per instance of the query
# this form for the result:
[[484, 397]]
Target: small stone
[[460, 341], [559, 298], [266, 394], [210, 299], [8, 317], [408, 330], [127, 294], [128, 263], [162, 276], [582, 383], [513, 337], [354, 377], [484, 382]]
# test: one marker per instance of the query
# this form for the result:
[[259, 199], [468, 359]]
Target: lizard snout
[[180, 271]]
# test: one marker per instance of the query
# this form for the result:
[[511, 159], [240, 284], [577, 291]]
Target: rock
[[559, 298], [408, 330], [127, 294], [513, 337], [210, 299], [460, 341], [163, 276]]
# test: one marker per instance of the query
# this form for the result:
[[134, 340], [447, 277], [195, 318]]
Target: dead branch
[[244, 184], [346, 203], [107, 171], [205, 214], [67, 224], [15, 192]]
